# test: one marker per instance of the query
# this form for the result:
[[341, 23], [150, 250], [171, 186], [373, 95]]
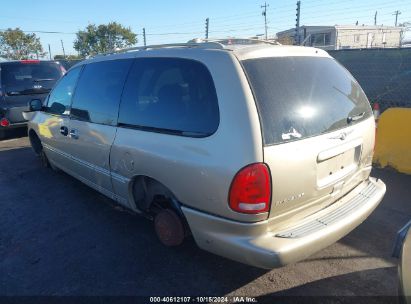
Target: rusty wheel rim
[[169, 228]]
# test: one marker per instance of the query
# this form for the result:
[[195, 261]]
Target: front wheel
[[44, 160]]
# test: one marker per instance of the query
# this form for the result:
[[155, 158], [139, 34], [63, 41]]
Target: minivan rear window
[[301, 97], [23, 77]]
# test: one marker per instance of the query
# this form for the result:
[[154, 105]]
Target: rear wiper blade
[[43, 79], [355, 117], [12, 93]]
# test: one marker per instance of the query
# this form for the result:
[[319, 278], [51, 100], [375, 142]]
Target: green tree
[[103, 38], [67, 57], [17, 45]]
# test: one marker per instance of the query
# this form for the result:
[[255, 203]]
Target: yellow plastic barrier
[[393, 146]]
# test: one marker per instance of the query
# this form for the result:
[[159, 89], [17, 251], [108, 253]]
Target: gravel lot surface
[[59, 237]]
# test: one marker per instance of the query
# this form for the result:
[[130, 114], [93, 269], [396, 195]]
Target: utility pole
[[144, 36], [375, 18], [62, 46], [297, 24], [396, 13], [49, 52], [207, 24], [110, 45], [265, 18]]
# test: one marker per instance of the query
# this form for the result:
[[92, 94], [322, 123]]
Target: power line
[[244, 22], [43, 32], [341, 10], [236, 30], [173, 33], [344, 10]]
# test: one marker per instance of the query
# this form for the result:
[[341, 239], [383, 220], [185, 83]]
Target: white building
[[346, 36]]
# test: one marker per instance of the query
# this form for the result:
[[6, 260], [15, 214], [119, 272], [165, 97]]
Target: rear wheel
[[169, 227]]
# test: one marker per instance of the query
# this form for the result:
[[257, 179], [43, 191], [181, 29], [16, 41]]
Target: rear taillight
[[376, 110], [4, 122], [250, 190], [375, 137]]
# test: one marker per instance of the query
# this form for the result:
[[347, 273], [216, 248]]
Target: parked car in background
[[402, 251], [263, 152], [20, 82], [68, 63]]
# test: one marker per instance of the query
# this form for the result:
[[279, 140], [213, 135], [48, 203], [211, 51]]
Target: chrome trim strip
[[120, 178], [101, 170]]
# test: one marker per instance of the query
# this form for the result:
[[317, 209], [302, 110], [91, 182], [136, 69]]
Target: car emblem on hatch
[[342, 136], [37, 86]]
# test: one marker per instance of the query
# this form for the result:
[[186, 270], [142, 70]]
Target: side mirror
[[35, 105]]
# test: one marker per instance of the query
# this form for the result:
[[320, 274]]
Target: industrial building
[[339, 37]]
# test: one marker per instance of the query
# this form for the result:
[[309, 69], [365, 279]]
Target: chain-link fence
[[384, 74]]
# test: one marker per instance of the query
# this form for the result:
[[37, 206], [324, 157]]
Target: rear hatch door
[[317, 130], [22, 81]]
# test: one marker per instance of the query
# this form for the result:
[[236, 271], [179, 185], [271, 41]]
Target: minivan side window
[[170, 95], [59, 99], [99, 90]]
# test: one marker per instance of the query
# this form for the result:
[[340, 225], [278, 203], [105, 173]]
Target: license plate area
[[335, 168]]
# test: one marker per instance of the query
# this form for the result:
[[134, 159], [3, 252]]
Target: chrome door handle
[[74, 133]]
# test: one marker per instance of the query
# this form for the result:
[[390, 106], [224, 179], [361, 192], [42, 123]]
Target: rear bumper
[[15, 117], [256, 244], [14, 125]]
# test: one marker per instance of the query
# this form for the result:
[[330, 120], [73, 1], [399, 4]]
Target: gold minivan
[[262, 152]]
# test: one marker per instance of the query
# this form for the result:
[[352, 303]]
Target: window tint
[[60, 97], [22, 76], [321, 39], [299, 97], [170, 95], [99, 90]]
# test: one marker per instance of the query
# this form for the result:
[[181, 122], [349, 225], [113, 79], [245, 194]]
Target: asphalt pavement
[[59, 237]]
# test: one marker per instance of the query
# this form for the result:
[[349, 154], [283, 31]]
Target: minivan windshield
[[20, 78], [301, 97]]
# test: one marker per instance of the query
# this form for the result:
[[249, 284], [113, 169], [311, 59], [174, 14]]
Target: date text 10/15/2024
[[233, 299]]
